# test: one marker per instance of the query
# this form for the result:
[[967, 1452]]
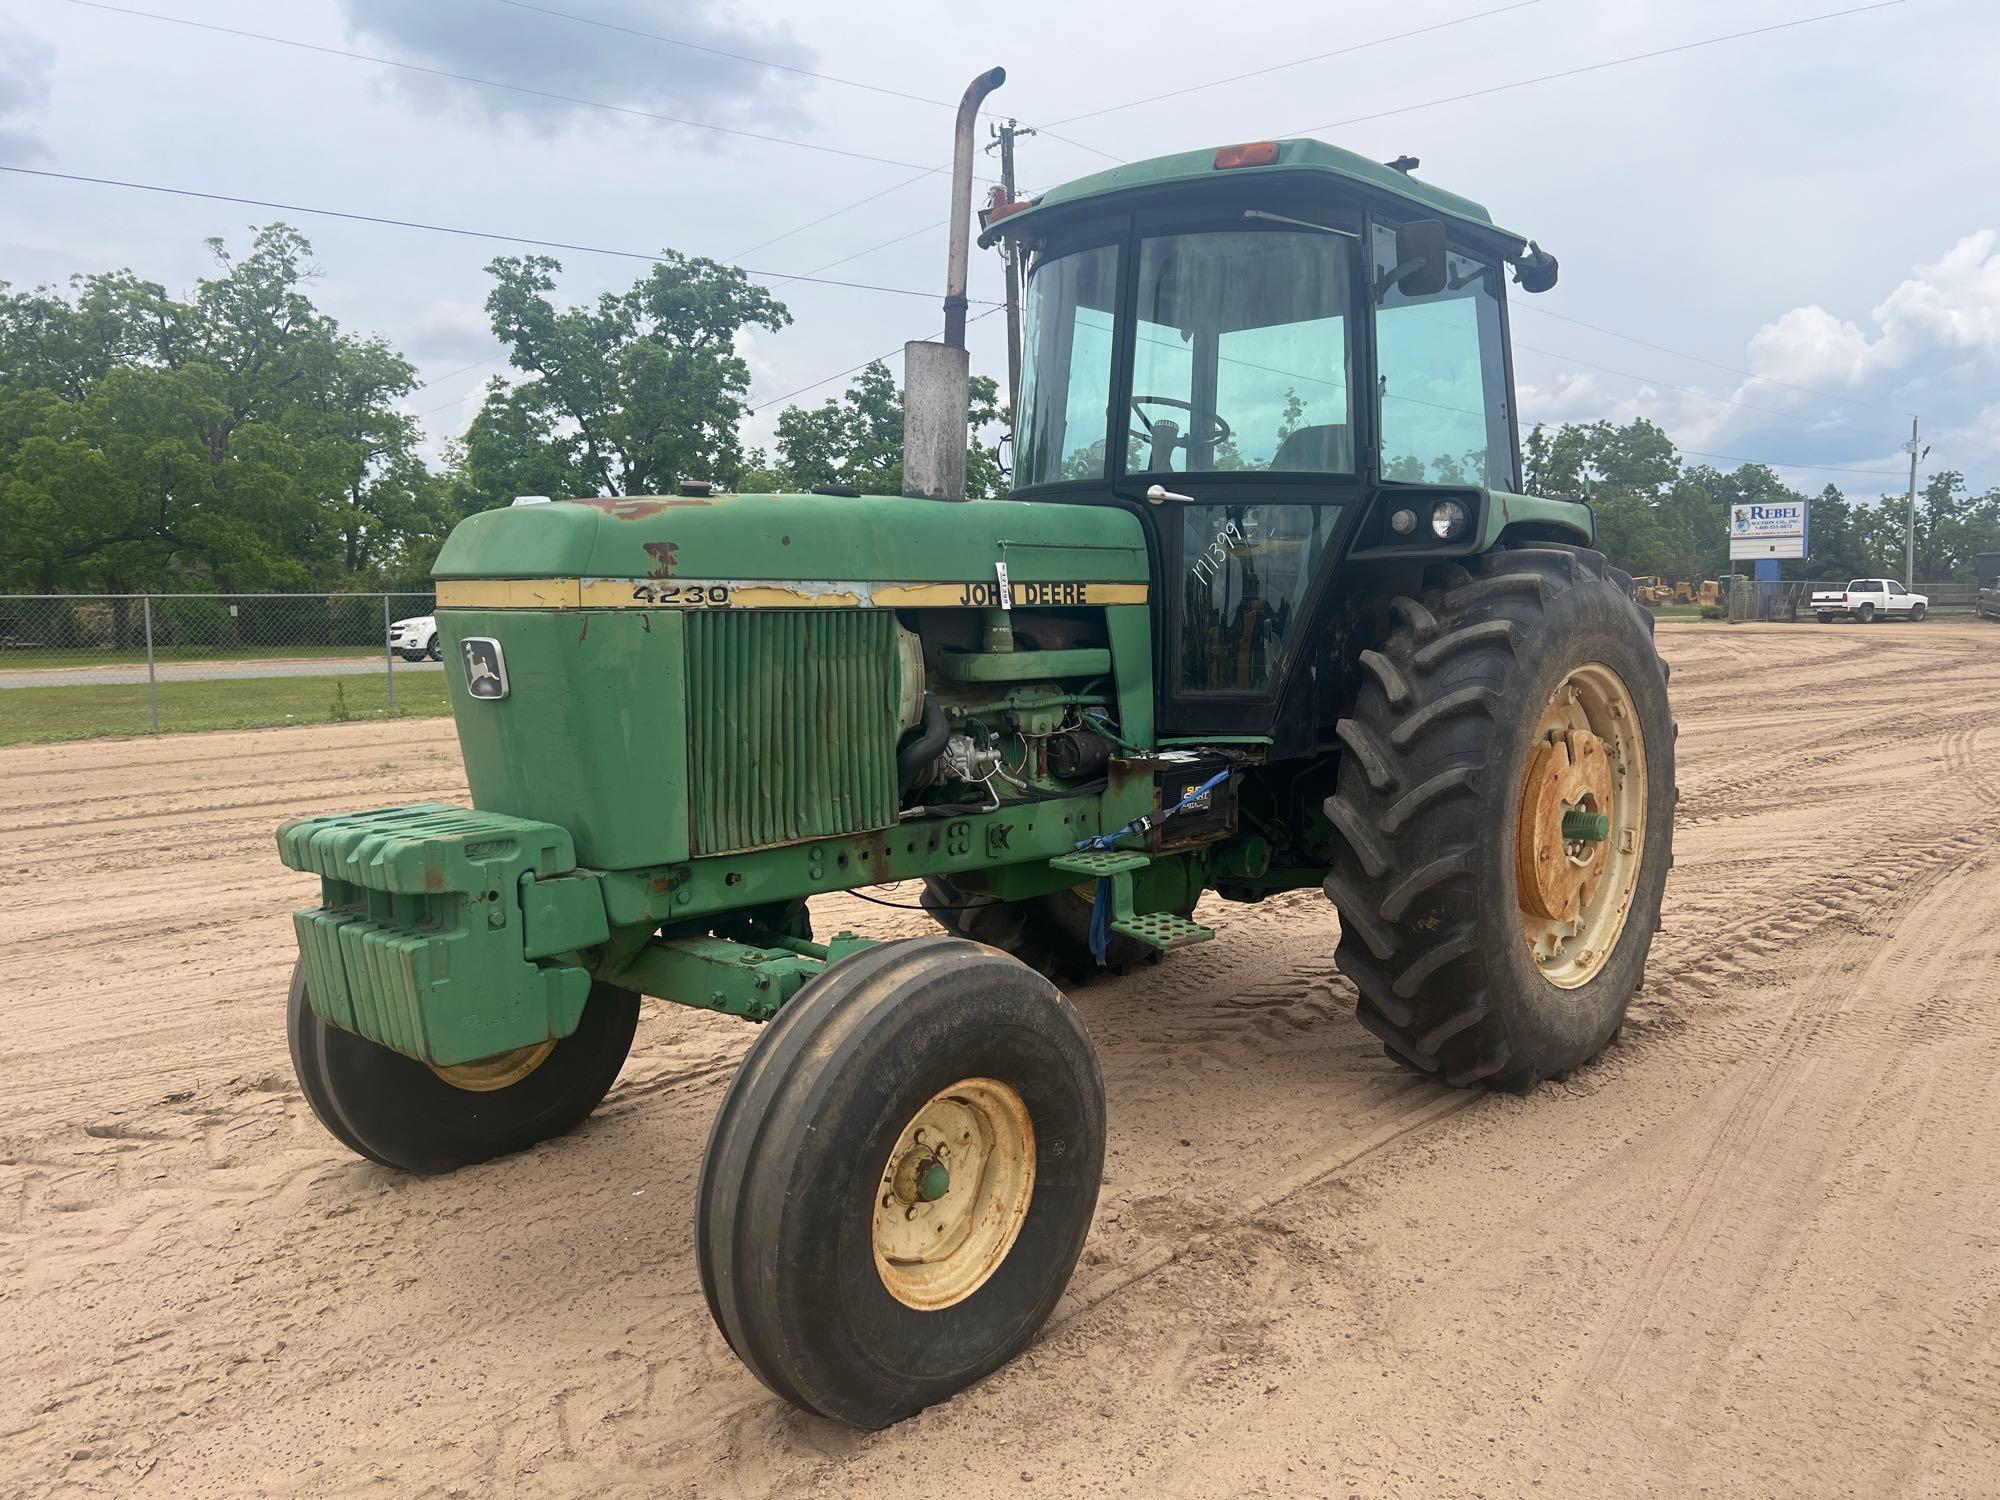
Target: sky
[[1777, 247]]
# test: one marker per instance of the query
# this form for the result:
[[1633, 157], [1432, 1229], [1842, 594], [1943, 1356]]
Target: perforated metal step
[[1163, 930], [1099, 862]]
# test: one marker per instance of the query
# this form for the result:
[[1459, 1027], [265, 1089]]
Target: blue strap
[[1141, 825], [1100, 921], [1100, 910]]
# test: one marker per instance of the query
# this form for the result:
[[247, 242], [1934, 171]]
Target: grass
[[35, 659], [38, 715], [1677, 612]]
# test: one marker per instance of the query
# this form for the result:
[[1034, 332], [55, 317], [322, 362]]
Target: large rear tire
[[900, 1179], [1050, 934], [404, 1114], [1497, 697]]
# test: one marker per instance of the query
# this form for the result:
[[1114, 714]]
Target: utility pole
[[1910, 518], [1006, 134]]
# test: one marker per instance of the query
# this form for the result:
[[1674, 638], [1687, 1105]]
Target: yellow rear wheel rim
[[1588, 754]]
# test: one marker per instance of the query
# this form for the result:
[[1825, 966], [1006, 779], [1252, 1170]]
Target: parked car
[[415, 638], [1987, 605], [1866, 599]]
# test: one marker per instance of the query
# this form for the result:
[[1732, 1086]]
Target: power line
[[494, 83], [1615, 62], [477, 234], [1778, 463], [1433, 103], [1536, 307], [1297, 62], [764, 406], [1685, 390], [477, 364], [849, 208], [909, 235]]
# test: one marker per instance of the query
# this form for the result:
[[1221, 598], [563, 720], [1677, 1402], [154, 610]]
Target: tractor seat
[[1326, 448]]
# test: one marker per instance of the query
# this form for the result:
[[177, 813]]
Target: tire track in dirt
[[214, 1298]]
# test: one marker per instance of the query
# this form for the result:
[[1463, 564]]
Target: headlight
[[1403, 522], [1448, 520]]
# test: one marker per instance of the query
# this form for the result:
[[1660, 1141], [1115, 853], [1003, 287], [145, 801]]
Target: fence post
[[389, 653], [152, 677]]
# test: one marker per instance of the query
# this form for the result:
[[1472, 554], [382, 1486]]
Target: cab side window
[[1442, 375]]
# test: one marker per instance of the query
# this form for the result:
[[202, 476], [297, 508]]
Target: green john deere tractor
[[1266, 610]]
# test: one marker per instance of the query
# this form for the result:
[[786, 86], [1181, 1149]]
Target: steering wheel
[[1163, 444]]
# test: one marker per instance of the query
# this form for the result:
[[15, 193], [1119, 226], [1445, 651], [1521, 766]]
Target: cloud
[[452, 330], [25, 65], [1953, 304], [1826, 390], [523, 43]]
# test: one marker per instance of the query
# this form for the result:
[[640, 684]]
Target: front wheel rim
[[1588, 759], [489, 1075], [954, 1194]]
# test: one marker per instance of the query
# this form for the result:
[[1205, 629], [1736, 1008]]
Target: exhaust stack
[[935, 375]]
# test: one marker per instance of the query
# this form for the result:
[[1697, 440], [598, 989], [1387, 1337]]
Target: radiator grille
[[791, 725]]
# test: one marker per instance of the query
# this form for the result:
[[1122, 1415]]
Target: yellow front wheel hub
[[490, 1074], [1581, 830], [954, 1194]]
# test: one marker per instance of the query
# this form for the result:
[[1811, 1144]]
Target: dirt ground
[[1755, 1250]]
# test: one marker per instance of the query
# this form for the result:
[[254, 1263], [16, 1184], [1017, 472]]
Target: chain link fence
[[1789, 600], [74, 665]]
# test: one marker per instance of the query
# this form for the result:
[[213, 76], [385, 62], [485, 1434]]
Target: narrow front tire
[[900, 1179], [410, 1116]]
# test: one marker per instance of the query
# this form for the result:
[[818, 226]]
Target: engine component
[[965, 759], [1078, 753]]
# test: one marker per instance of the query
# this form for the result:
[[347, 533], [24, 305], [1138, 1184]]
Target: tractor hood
[[832, 542]]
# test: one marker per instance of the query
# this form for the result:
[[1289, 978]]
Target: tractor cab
[[1256, 350]]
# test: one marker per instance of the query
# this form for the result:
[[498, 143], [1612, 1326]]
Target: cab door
[[1240, 428]]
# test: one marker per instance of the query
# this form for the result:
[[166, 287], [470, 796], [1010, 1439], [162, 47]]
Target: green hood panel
[[881, 538]]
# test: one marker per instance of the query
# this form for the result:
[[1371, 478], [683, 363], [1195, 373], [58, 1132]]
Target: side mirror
[[1422, 269], [1535, 269]]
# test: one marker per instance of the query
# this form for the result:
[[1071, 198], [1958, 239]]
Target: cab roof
[[1294, 157]]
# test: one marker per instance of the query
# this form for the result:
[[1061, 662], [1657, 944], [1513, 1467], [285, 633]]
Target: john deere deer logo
[[485, 667]]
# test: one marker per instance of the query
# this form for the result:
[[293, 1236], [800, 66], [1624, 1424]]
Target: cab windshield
[[1240, 358]]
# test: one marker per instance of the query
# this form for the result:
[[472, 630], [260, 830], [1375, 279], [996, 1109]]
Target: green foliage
[[339, 713], [235, 438], [627, 395], [857, 439], [1656, 516]]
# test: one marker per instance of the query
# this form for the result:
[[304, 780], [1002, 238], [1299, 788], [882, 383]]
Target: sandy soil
[[1754, 1250]]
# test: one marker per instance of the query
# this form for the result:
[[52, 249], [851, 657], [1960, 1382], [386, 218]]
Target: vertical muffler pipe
[[935, 376]]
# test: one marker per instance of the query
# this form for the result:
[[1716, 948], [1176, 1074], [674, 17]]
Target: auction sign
[[1764, 529]]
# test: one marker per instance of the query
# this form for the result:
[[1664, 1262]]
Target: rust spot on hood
[[637, 507], [662, 554]]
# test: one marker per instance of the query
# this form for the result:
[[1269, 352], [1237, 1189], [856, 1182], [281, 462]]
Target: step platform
[[1160, 929], [1163, 930]]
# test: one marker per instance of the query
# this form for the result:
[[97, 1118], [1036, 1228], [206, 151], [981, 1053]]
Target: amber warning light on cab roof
[[1255, 154]]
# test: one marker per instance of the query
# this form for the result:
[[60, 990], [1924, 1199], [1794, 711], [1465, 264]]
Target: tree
[[234, 438], [857, 439], [623, 396]]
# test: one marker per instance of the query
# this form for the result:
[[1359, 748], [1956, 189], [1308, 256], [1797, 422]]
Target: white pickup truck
[[1866, 599]]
